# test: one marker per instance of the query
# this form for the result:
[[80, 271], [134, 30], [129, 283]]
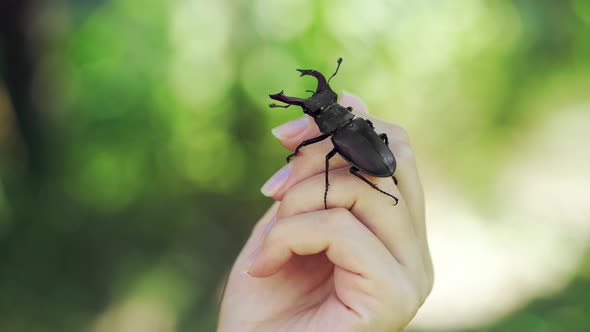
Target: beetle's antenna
[[273, 105], [337, 67]]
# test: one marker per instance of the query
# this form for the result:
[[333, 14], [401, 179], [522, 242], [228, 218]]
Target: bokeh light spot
[[357, 21], [200, 69], [282, 19], [266, 70], [582, 9], [114, 176]]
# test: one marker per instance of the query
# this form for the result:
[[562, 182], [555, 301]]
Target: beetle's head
[[322, 97]]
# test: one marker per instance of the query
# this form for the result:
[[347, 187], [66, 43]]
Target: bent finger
[[257, 235], [391, 224], [347, 243]]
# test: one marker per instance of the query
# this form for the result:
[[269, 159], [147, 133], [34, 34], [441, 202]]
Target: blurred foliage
[[127, 195], [567, 311]]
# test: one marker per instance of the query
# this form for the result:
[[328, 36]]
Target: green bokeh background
[[134, 175]]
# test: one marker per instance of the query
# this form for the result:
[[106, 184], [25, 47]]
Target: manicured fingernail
[[250, 260], [348, 99], [272, 222], [276, 181], [291, 129], [255, 253]]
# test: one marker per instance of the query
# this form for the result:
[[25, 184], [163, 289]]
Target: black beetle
[[354, 139]]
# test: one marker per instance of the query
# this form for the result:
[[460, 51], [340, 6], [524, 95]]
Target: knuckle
[[404, 154], [339, 219], [300, 188], [414, 301], [258, 228], [406, 151], [424, 281], [336, 215], [409, 296], [271, 238], [404, 299], [275, 235], [401, 134], [429, 280], [424, 288], [287, 197]]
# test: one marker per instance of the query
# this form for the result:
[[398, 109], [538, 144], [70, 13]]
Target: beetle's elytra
[[354, 138]]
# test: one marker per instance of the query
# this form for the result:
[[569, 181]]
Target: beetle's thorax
[[332, 117]]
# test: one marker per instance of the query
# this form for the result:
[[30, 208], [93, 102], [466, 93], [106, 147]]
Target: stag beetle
[[353, 138]]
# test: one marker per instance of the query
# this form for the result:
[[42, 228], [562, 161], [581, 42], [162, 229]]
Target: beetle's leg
[[370, 123], [394, 180], [328, 157], [355, 170], [307, 142]]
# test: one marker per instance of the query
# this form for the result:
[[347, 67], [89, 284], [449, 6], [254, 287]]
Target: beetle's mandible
[[353, 138]]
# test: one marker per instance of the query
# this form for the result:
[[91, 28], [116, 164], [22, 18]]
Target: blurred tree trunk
[[17, 69]]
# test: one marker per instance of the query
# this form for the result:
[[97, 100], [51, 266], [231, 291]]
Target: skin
[[361, 265]]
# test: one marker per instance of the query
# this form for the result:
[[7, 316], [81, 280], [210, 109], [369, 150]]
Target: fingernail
[[276, 181], [272, 222], [349, 99], [251, 260], [255, 253], [291, 129]]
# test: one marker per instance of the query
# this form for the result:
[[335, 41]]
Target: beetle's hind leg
[[354, 172], [328, 157], [307, 142]]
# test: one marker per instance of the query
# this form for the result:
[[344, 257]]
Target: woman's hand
[[361, 265]]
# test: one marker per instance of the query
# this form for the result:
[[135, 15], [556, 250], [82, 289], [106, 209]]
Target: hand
[[361, 265]]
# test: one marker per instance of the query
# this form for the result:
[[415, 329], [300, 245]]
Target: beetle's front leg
[[307, 142], [328, 157]]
